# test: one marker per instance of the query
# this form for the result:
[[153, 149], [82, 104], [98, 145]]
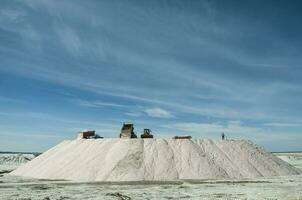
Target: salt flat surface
[[276, 188], [9, 162], [294, 159], [116, 160]]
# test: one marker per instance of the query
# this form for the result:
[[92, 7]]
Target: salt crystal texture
[[154, 160]]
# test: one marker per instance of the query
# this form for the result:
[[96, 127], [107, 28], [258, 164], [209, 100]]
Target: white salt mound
[[154, 160]]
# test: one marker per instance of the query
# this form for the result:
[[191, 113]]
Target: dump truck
[[127, 131]]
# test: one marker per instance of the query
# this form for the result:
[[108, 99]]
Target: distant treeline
[[16, 152], [286, 152]]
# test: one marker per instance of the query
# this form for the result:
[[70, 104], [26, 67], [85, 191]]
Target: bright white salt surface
[[9, 162], [154, 160]]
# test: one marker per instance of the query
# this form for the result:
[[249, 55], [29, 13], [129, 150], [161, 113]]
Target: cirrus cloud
[[158, 112]]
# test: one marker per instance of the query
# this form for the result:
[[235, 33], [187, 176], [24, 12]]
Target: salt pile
[[154, 160]]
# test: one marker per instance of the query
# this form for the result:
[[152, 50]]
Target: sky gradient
[[178, 67]]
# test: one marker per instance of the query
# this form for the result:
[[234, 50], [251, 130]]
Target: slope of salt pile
[[154, 160]]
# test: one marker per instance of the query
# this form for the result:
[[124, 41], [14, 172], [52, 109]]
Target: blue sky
[[177, 67]]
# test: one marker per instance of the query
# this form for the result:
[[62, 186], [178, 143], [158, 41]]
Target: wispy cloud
[[134, 114], [158, 112], [151, 61], [8, 99], [25, 114], [280, 124], [96, 104], [216, 128], [35, 135], [49, 117], [70, 40], [13, 15]]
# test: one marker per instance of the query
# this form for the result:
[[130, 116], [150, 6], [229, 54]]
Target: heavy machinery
[[183, 137], [127, 131], [88, 135], [147, 133]]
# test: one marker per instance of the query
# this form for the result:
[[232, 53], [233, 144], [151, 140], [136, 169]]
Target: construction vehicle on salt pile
[[88, 135], [183, 137], [147, 133], [127, 131]]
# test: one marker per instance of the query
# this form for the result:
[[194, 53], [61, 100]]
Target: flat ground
[[13, 188]]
